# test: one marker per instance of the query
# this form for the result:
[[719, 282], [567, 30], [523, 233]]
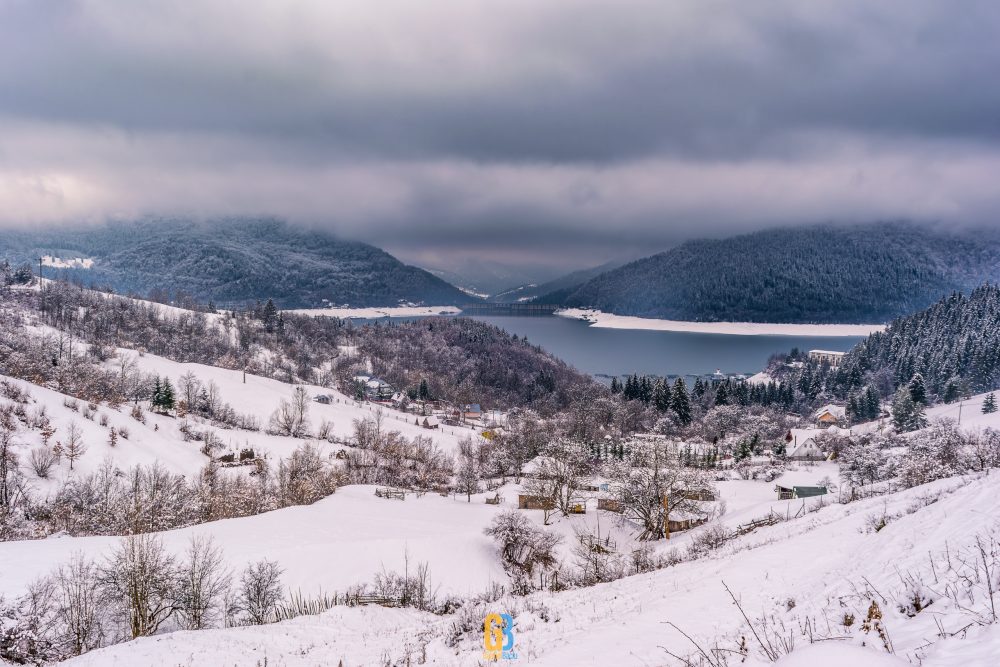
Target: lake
[[606, 352]]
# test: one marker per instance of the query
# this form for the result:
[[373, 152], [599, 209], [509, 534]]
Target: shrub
[[42, 459]]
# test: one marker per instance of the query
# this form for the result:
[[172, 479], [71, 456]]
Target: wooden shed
[[528, 502]]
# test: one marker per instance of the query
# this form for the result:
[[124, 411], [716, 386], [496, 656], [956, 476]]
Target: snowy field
[[331, 545], [818, 569], [604, 320]]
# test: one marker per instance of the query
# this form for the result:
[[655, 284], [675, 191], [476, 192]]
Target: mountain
[[864, 273], [569, 281], [485, 277], [954, 344], [234, 261]]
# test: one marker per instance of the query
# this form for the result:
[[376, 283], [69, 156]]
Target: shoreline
[[376, 312], [604, 320]]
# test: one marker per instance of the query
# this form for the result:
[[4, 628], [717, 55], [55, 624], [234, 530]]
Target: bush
[[42, 459], [708, 539], [138, 415]]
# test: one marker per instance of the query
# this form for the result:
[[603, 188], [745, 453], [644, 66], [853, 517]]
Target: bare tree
[[74, 447], [8, 467], [291, 416], [651, 483], [188, 385], [202, 584], [524, 547], [260, 591], [563, 465], [467, 475], [78, 603], [140, 581]]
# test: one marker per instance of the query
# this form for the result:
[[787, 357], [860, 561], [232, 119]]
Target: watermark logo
[[498, 638]]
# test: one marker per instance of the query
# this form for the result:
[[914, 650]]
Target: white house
[[805, 449], [831, 357]]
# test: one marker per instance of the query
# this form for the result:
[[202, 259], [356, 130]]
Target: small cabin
[[325, 399], [529, 502], [792, 492], [678, 525], [472, 411], [830, 415], [430, 422], [609, 505]]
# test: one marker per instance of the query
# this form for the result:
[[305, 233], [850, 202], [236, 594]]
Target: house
[[717, 378], [801, 445], [325, 399], [830, 357], [430, 422], [378, 390], [472, 411], [807, 450], [791, 492], [829, 415]]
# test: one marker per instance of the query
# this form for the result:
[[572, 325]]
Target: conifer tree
[[907, 414], [167, 400], [918, 391], [269, 316], [721, 395], [699, 388], [873, 405], [680, 403], [156, 398], [989, 403], [661, 395]]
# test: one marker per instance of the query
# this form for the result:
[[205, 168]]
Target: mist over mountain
[[868, 273], [233, 261], [566, 282], [481, 276]]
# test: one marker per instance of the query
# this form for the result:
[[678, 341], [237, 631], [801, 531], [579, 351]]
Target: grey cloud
[[565, 131]]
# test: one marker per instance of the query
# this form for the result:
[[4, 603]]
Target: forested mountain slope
[[864, 274], [234, 262], [954, 342]]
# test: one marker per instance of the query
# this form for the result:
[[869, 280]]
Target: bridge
[[485, 308]]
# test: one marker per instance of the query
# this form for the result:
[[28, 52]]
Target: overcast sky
[[552, 131]]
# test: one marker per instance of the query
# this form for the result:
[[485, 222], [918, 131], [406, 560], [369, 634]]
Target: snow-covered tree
[[260, 591], [651, 482], [917, 389], [907, 415], [680, 402]]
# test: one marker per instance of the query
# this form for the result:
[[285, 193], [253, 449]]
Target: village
[[798, 465]]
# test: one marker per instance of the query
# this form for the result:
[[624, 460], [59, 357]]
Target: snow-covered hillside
[[814, 576], [336, 543]]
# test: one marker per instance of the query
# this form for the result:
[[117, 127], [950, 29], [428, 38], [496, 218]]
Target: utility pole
[[666, 515]]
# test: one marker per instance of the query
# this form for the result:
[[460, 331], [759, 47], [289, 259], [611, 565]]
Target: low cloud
[[567, 132]]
